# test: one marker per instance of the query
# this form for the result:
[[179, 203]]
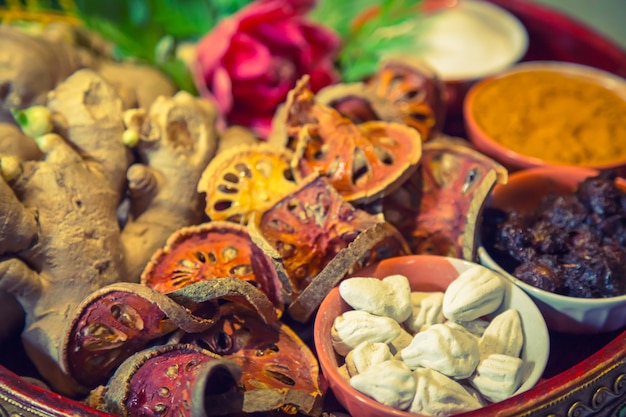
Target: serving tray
[[585, 376]]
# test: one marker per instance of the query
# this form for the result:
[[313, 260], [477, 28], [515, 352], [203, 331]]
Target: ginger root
[[62, 237]]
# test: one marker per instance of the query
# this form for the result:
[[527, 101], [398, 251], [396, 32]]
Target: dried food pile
[[573, 244]]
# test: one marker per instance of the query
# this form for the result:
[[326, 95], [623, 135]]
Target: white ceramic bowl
[[467, 42], [426, 273], [562, 313]]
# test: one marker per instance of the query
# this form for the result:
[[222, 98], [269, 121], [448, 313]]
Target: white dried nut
[[498, 376], [389, 297], [504, 335], [476, 292], [354, 327], [426, 310], [476, 327], [403, 340], [439, 395], [450, 351], [365, 355], [390, 383]]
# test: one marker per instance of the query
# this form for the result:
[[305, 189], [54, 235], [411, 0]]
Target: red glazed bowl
[[426, 273], [491, 142], [562, 313]]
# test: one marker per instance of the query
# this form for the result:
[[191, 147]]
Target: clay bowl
[[425, 273], [498, 130], [562, 313]]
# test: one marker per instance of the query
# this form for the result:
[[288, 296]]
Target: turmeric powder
[[563, 119]]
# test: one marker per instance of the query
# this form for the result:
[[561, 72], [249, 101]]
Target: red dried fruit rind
[[414, 90], [437, 208], [213, 250], [119, 320], [312, 236], [172, 380], [362, 162], [306, 229], [374, 244], [279, 371], [111, 326]]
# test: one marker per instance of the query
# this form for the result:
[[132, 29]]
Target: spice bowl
[[427, 273], [522, 193], [541, 113]]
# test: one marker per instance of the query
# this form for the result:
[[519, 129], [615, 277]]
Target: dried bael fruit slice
[[217, 249], [363, 162], [245, 178], [437, 208], [279, 371], [358, 103], [172, 380], [306, 234], [414, 90], [119, 320]]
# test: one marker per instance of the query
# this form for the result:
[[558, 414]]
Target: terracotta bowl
[[492, 140], [561, 313], [425, 273]]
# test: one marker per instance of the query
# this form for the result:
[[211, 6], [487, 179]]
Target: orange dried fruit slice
[[308, 230], [279, 371], [213, 250], [414, 90], [363, 162], [245, 178], [437, 209]]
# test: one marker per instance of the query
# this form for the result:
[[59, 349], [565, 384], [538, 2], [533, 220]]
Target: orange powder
[[560, 118]]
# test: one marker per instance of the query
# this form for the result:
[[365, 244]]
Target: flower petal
[[246, 58]]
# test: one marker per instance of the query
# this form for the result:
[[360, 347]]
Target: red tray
[[585, 376]]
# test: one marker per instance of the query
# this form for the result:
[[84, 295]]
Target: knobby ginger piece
[[390, 383], [354, 327], [389, 297], [447, 350]]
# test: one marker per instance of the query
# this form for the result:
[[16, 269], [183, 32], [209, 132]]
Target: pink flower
[[248, 63]]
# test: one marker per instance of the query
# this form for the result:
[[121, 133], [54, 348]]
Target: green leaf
[[392, 27]]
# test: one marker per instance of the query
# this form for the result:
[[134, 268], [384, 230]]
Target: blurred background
[[605, 16]]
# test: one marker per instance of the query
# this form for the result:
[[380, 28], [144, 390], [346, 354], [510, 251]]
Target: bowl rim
[[486, 144], [324, 359]]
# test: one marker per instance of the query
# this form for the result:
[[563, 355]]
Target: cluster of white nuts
[[430, 353]]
